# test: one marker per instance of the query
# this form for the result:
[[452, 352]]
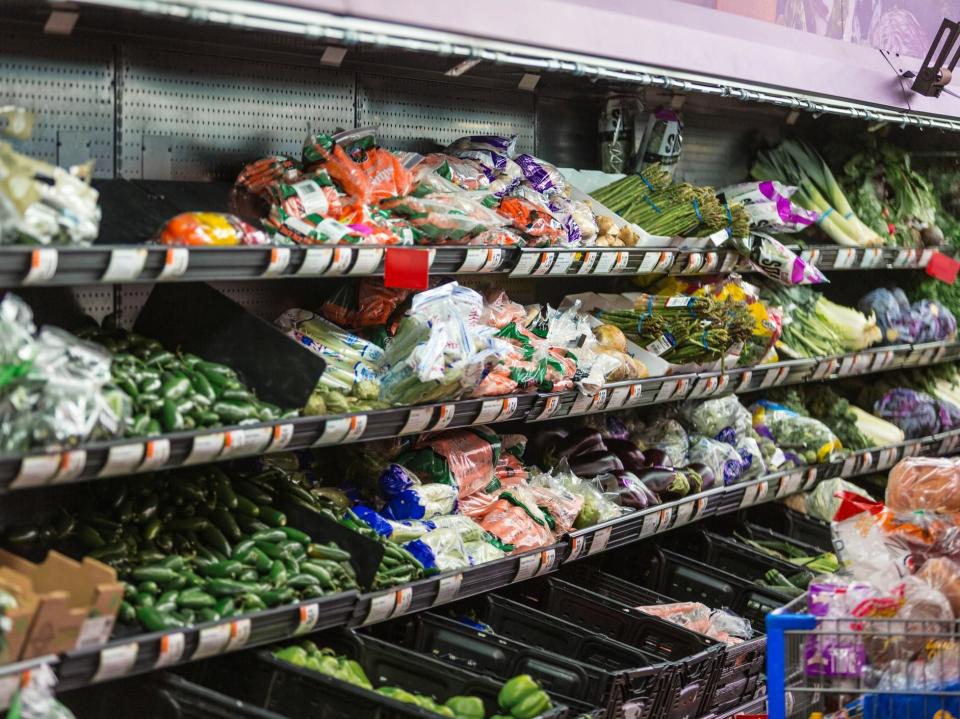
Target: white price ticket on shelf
[[904, 258], [582, 403], [694, 263], [280, 436], [122, 459], [125, 264], [846, 257], [710, 262], [279, 260], [316, 261], [489, 411], [846, 365], [206, 447], [156, 453], [811, 256], [745, 380], [239, 634], [445, 414], [381, 607], [402, 604], [448, 588], [116, 661], [546, 262], [418, 419], [71, 465], [212, 641], [651, 522], [924, 258], [774, 376], [599, 401], [175, 263], [475, 259], [730, 261], [667, 390], [368, 259], [343, 429], [618, 397], [171, 650], [525, 264], [550, 406], [790, 484], [562, 264], [342, 257], [621, 261], [886, 458], [527, 567], [43, 266], [254, 440], [705, 386], [587, 262], [234, 443], [648, 263], [754, 494], [576, 548], [307, 617], [866, 462], [826, 368], [872, 257], [849, 465], [635, 394], [881, 360], [600, 540], [685, 513], [36, 471], [606, 262], [548, 557]]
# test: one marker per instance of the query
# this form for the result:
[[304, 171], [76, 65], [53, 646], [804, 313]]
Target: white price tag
[[342, 257], [125, 264], [381, 607], [71, 465], [926, 357], [508, 408], [239, 634], [825, 368], [116, 661], [417, 420], [445, 416], [754, 494], [849, 464], [343, 429], [902, 259], [862, 362], [694, 263], [206, 447], [550, 407], [730, 260], [846, 365], [582, 403], [547, 559], [525, 264], [36, 471], [872, 257], [666, 261], [866, 463], [576, 548], [588, 262], [651, 523], [562, 264], [810, 479], [494, 259], [705, 386], [307, 619], [886, 458], [811, 256], [546, 262], [9, 685], [156, 452], [234, 442], [635, 394], [256, 439], [43, 266], [879, 359], [447, 588], [475, 259], [790, 484], [722, 382], [649, 262], [212, 641], [368, 259], [710, 261], [770, 378], [684, 513], [280, 437], [171, 650], [279, 259], [618, 397], [175, 263], [402, 603], [527, 567], [599, 401], [316, 261], [846, 256], [605, 263], [621, 262], [600, 539], [667, 390], [924, 258], [489, 411], [745, 380], [122, 459]]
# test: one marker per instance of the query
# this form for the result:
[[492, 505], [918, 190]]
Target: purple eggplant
[[656, 458], [666, 482], [581, 441], [594, 463], [633, 492], [542, 444], [616, 429], [707, 476], [631, 456]]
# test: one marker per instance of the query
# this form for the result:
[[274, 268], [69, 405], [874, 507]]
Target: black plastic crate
[[741, 673], [161, 695], [757, 532], [683, 578], [730, 555], [298, 693], [793, 524], [694, 659], [569, 675]]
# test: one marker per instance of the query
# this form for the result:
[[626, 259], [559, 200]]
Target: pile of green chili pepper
[[196, 546], [172, 391]]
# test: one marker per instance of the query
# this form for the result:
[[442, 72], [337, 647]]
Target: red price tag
[[406, 268], [943, 268]]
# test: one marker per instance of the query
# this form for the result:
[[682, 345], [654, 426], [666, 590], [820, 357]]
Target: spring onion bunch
[[797, 163]]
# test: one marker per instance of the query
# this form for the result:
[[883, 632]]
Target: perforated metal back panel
[[422, 116], [69, 85], [200, 117]]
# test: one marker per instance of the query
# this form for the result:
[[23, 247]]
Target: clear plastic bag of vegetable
[[710, 417], [462, 458], [482, 551], [669, 437], [503, 144], [825, 498], [445, 218], [809, 438], [725, 462], [440, 549]]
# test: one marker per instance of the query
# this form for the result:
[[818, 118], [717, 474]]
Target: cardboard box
[[21, 618], [77, 602]]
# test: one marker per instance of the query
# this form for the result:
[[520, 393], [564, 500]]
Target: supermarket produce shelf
[[135, 654], [96, 460]]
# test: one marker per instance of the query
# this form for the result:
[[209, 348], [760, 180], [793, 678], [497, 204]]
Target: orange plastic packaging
[[512, 525], [209, 229]]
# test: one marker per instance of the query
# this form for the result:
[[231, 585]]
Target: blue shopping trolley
[[858, 668]]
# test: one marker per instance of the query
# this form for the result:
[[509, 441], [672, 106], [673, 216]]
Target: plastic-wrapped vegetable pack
[[209, 229], [808, 438], [929, 483], [464, 459]]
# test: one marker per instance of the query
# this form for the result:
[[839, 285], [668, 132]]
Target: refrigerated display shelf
[[136, 654]]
